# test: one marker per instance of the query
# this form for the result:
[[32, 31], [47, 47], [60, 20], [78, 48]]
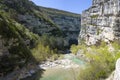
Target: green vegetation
[[94, 16], [53, 42], [23, 46], [28, 34], [14, 37], [48, 47], [40, 20], [42, 52], [74, 48], [26, 8], [101, 60]]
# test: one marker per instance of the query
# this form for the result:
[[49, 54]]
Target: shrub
[[75, 48], [52, 41], [42, 52], [101, 62]]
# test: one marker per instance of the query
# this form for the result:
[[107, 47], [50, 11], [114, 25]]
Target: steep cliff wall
[[101, 22]]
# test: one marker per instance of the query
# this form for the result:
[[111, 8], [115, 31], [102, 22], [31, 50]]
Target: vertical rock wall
[[101, 22]]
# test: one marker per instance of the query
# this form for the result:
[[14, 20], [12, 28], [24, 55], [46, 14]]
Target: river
[[64, 69]]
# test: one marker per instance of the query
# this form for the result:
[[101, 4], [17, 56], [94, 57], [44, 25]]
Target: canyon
[[24, 27]]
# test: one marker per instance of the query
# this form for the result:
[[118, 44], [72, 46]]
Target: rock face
[[101, 22], [117, 70]]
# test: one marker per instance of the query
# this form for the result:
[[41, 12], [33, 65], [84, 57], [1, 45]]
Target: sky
[[75, 6]]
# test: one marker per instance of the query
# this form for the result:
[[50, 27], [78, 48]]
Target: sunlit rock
[[101, 22]]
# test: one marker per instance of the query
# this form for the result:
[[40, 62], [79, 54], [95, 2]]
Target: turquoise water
[[61, 74], [65, 74], [78, 61], [75, 59]]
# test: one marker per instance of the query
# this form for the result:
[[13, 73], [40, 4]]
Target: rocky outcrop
[[101, 22], [117, 70]]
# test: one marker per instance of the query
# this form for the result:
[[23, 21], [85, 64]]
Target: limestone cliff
[[101, 22]]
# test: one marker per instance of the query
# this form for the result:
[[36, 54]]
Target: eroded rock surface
[[117, 70], [101, 22]]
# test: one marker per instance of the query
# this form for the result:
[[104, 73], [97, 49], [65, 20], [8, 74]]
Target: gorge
[[35, 42], [30, 34]]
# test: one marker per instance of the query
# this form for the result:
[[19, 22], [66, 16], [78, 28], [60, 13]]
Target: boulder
[[117, 70]]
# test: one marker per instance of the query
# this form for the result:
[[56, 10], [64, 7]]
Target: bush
[[101, 62], [52, 41], [75, 48], [46, 48], [42, 52]]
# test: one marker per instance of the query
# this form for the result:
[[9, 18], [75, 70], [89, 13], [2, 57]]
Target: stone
[[111, 48], [117, 70], [111, 76]]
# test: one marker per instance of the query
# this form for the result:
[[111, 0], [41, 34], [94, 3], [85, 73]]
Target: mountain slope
[[26, 13], [23, 25], [15, 44], [69, 23], [42, 20]]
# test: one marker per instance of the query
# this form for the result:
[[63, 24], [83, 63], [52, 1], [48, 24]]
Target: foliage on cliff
[[42, 20], [28, 10], [101, 60], [19, 46], [16, 42]]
